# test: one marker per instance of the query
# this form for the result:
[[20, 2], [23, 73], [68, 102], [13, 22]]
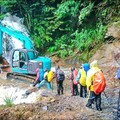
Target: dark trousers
[[93, 97], [75, 89], [36, 82], [83, 91], [60, 87]]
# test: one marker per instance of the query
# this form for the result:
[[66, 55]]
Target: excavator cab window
[[31, 55], [19, 59], [15, 59], [22, 59]]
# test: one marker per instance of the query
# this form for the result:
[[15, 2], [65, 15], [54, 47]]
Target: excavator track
[[20, 76]]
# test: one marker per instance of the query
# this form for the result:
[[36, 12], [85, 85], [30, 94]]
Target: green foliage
[[2, 16], [65, 26], [8, 3], [88, 38], [85, 12], [41, 35], [8, 101], [108, 11], [62, 47], [67, 8]]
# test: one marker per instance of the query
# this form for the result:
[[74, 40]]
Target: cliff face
[[109, 53]]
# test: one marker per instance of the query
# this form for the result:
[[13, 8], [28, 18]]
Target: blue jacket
[[41, 74]]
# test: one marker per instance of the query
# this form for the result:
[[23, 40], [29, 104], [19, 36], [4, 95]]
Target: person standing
[[74, 83], [81, 77], [60, 77], [95, 74]]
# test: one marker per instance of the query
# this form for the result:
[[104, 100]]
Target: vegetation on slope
[[66, 27]]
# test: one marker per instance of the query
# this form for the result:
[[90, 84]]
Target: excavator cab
[[21, 59]]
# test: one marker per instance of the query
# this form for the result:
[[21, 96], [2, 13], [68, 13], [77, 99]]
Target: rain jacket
[[41, 74], [75, 72], [90, 75], [50, 76], [82, 74], [46, 76], [86, 67], [82, 79]]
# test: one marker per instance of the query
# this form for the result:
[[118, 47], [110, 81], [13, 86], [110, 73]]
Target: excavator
[[20, 61]]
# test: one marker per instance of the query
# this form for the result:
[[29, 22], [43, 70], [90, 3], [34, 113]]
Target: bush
[[8, 101]]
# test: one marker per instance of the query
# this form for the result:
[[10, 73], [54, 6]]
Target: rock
[[114, 30], [106, 54], [17, 114], [27, 114], [45, 108]]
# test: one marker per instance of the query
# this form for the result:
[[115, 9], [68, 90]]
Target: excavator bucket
[[4, 65]]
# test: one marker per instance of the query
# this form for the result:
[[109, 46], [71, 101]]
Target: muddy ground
[[50, 106]]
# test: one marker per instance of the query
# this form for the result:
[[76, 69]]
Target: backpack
[[118, 73], [41, 74], [75, 72], [50, 76], [99, 82], [78, 76], [46, 75], [60, 75]]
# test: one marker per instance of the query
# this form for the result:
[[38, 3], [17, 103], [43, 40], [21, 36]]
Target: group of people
[[91, 81], [45, 77], [89, 77]]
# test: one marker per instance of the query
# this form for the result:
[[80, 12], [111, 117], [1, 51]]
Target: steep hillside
[[109, 52]]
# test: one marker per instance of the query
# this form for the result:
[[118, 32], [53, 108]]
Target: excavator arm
[[16, 34], [31, 61]]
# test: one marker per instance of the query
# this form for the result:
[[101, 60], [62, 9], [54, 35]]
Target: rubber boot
[[61, 91], [89, 105], [99, 108], [58, 92]]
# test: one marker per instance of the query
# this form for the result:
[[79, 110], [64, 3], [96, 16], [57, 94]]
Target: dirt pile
[[63, 108]]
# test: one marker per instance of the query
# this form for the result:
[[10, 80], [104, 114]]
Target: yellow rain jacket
[[83, 77], [50, 76], [90, 75]]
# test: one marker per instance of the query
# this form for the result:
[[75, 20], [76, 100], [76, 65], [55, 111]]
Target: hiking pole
[[105, 95], [52, 86], [106, 98]]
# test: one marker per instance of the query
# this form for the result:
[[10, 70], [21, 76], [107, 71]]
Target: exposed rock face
[[114, 30], [107, 53]]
